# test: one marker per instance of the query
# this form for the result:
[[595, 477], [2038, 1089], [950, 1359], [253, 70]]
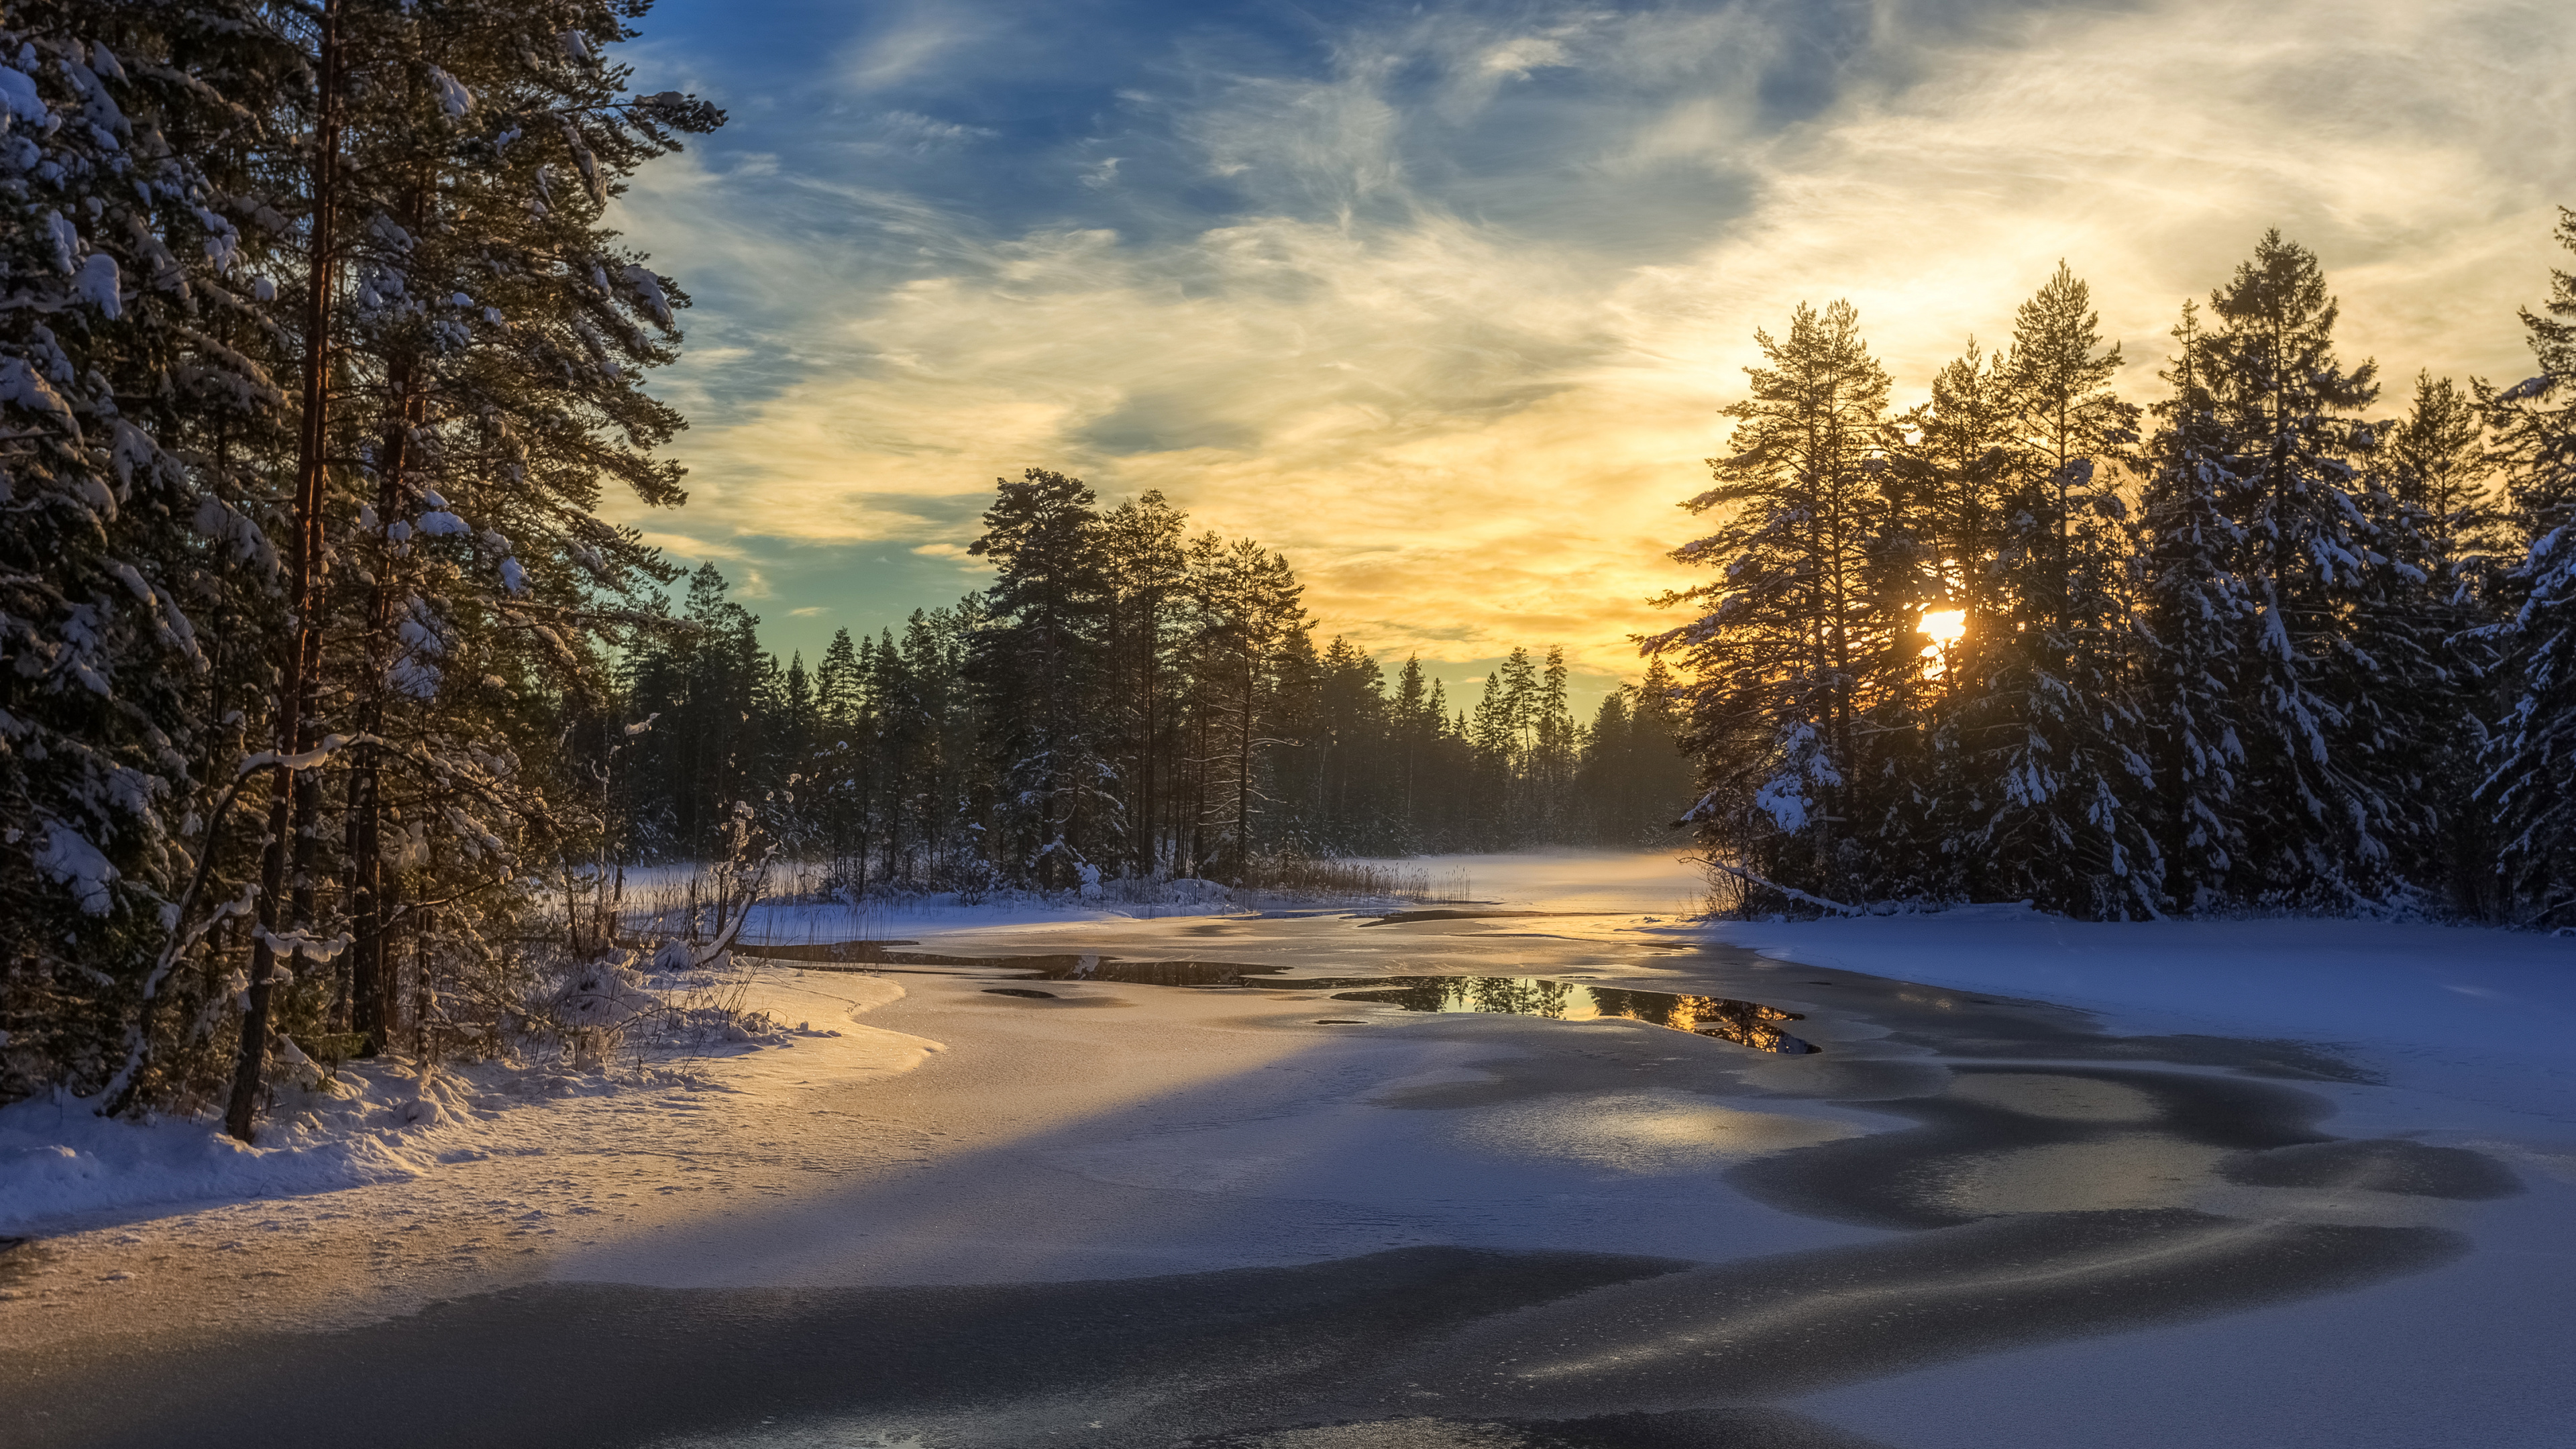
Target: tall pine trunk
[[297, 792]]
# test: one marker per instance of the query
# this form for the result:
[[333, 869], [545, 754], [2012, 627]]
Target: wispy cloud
[[1452, 325]]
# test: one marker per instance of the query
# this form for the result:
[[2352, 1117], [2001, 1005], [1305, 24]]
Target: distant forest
[[2257, 644], [1124, 700]]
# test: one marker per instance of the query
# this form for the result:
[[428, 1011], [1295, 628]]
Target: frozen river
[[1581, 1181]]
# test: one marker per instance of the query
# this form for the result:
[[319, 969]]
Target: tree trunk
[[297, 792], [369, 986]]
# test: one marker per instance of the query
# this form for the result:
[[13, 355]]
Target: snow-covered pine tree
[[2316, 805], [2530, 764], [2419, 622], [1038, 664], [1781, 657], [1941, 552], [499, 338], [482, 421], [2050, 741], [2189, 617], [134, 391]]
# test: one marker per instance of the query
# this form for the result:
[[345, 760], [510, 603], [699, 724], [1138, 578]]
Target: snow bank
[[377, 1124], [2474, 1013], [388, 1121]]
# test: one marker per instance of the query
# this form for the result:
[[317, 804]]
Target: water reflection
[[1746, 1023]]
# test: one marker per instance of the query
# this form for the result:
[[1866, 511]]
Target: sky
[[1443, 300]]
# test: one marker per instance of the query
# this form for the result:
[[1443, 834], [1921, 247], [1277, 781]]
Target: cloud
[[1456, 337], [914, 38], [910, 132]]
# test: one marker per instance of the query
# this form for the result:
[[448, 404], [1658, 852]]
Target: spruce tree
[[1037, 659], [2051, 735], [1786, 653], [2530, 764], [2190, 622], [135, 395], [2427, 596], [2316, 809]]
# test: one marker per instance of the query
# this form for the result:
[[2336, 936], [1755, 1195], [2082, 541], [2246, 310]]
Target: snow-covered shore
[[63, 1167], [2474, 1014]]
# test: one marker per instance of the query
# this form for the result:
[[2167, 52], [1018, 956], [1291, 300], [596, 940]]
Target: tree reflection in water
[[1746, 1023]]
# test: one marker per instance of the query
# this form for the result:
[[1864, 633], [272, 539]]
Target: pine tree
[[2054, 776], [1248, 616], [1037, 661], [2530, 764], [1147, 573], [1786, 651], [2315, 808], [2190, 621]]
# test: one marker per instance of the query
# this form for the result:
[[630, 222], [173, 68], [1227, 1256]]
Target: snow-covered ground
[[2471, 1014], [63, 1166]]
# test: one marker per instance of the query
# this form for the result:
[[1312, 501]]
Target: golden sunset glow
[[1464, 395]]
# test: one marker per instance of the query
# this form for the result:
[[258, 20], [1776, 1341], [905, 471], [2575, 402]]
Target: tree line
[[2258, 643], [1126, 699]]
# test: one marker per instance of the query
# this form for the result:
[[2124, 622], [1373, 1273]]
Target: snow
[[2472, 1014], [1656, 883], [99, 285], [1121, 1130], [69, 860], [62, 1165], [453, 98], [24, 386], [18, 96]]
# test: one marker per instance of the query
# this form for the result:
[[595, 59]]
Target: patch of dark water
[[1400, 918], [1084, 966], [1746, 1023]]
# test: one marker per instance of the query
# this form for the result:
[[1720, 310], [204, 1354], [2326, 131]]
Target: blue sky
[[1442, 299]]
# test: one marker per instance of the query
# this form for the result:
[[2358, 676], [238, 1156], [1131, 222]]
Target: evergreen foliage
[[2530, 779], [316, 360], [2264, 656], [1125, 700]]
